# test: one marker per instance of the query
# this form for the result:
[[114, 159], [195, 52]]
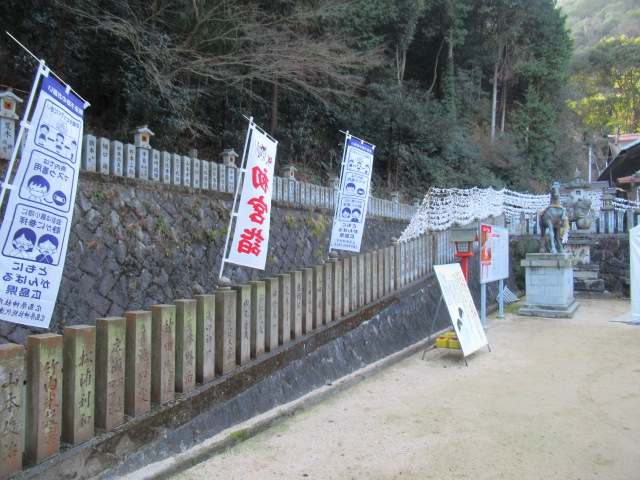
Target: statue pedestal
[[549, 285]]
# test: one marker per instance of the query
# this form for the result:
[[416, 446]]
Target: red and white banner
[[251, 234]]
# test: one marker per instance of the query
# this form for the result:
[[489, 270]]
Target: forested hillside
[[452, 92]]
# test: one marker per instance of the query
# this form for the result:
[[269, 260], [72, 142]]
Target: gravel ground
[[553, 399]]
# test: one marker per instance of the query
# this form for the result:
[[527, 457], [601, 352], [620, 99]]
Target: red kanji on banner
[[260, 178], [250, 243], [259, 207]]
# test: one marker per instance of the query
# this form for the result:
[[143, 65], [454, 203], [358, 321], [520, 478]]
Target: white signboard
[[462, 310], [251, 234], [353, 198], [494, 253], [36, 225]]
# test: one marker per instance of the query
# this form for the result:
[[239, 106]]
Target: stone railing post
[[225, 327], [141, 138], [12, 408], [8, 118]]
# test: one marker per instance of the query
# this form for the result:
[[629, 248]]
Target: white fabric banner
[[462, 310], [634, 247], [353, 198], [35, 229], [251, 233]]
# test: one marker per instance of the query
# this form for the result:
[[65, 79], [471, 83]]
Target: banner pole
[[235, 196]]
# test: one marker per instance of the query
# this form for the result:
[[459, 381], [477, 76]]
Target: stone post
[[163, 353], [222, 178], [129, 155], [195, 170], [141, 137], [185, 171], [110, 360], [43, 412], [89, 153], [272, 292], [258, 311], [243, 323], [205, 337], [214, 176], [307, 300], [116, 164], [176, 169], [8, 117], [353, 267], [205, 175], [185, 345], [318, 295], [296, 304], [337, 286], [165, 167], [137, 379], [155, 171], [284, 302], [374, 275], [328, 293], [361, 279], [382, 267], [346, 285], [79, 383], [12, 408], [103, 155], [225, 327], [367, 278]]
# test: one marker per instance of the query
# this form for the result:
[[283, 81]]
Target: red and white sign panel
[[251, 234], [462, 310], [494, 253]]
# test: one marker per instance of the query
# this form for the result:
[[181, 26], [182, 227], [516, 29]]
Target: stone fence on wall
[[91, 378]]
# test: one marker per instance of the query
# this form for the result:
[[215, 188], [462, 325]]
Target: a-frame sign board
[[462, 310]]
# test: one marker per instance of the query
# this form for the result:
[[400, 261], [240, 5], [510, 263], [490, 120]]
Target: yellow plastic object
[[454, 343], [442, 342]]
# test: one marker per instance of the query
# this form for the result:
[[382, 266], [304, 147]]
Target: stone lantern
[[289, 172], [229, 157], [142, 136]]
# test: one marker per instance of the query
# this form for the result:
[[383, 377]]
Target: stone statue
[[579, 211], [554, 220]]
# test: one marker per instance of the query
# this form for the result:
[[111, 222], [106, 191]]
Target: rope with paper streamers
[[442, 207]]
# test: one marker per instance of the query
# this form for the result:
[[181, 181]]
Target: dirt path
[[554, 399]]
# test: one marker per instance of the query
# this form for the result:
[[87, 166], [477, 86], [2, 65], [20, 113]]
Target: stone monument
[[549, 275]]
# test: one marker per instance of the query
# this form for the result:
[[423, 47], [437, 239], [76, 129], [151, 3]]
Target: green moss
[[291, 221]]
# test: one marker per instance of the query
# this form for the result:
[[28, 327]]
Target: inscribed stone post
[[353, 267], [243, 323], [222, 177], [214, 176], [205, 337], [195, 172], [307, 300], [43, 413], [328, 293], [11, 408], [163, 352], [185, 345], [129, 161], [271, 313], [381, 269], [231, 179], [336, 288], [165, 167], [89, 153], [78, 383], [284, 302], [154, 168], [185, 171], [318, 294], [361, 279], [142, 163], [137, 376], [296, 304], [367, 278], [225, 330], [204, 174], [374, 275], [102, 158], [116, 164], [257, 325], [400, 252], [176, 169], [388, 268], [110, 361], [346, 285]]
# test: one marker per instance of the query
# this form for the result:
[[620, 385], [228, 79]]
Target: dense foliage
[[452, 92]]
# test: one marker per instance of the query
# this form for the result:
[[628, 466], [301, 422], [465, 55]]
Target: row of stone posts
[[96, 376]]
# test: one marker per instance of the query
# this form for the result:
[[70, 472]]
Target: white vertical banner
[[251, 233], [36, 225], [353, 197], [462, 310]]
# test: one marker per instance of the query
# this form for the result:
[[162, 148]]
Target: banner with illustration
[[253, 220], [353, 198], [35, 228]]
